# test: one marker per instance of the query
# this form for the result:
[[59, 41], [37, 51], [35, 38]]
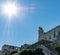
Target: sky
[[24, 28]]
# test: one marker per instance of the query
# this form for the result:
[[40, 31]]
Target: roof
[[10, 46], [53, 28]]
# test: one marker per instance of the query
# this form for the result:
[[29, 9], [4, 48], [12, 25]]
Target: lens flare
[[9, 9]]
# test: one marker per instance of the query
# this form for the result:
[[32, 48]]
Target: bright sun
[[9, 9]]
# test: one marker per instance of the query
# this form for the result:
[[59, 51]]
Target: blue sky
[[46, 13]]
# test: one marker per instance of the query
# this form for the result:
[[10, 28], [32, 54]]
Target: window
[[54, 34], [12, 47], [59, 33], [50, 37], [9, 47]]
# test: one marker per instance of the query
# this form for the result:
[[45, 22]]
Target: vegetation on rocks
[[31, 52]]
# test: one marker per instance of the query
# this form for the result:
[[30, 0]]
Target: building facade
[[51, 35], [46, 40], [7, 49]]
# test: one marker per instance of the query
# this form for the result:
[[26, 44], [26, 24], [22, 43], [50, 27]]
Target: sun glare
[[9, 9]]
